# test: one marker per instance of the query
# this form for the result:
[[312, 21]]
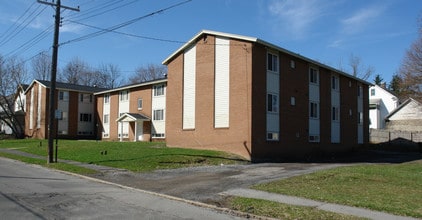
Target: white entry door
[[140, 130]]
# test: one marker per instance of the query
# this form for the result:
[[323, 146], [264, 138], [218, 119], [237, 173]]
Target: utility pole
[[52, 105]]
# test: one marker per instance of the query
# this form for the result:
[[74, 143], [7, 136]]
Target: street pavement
[[34, 192], [211, 185]]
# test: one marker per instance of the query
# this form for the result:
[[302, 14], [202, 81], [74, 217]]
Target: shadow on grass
[[199, 159]]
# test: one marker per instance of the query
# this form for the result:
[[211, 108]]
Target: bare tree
[[148, 73], [12, 74], [74, 72], [41, 66], [358, 69], [410, 71], [111, 75]]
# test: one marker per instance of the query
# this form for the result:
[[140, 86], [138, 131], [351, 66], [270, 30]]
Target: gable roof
[[383, 89], [135, 85], [133, 117], [404, 104], [257, 40], [66, 86]]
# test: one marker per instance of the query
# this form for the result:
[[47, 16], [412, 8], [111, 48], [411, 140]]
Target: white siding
[[31, 110], [86, 107], [314, 97], [123, 108], [222, 83], [106, 126], [189, 88], [39, 106], [335, 103], [159, 103], [273, 89], [63, 106], [360, 115]]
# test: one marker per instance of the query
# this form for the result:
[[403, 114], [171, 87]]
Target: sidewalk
[[237, 191], [291, 200]]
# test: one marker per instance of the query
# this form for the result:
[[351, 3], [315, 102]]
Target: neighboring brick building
[[247, 96], [133, 113], [75, 102]]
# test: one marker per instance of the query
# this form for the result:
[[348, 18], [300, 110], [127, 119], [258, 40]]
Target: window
[[158, 135], [158, 115], [313, 75], [106, 98], [64, 116], [313, 110], [124, 95], [359, 91], [139, 103], [334, 82], [81, 97], [272, 62], [85, 117], [372, 92], [292, 64], [272, 103], [335, 114], [158, 90], [272, 136], [360, 118], [64, 95], [106, 119], [90, 98]]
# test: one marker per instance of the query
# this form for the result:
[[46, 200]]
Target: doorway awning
[[132, 117]]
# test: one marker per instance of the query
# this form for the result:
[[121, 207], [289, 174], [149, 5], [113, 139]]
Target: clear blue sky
[[377, 31]]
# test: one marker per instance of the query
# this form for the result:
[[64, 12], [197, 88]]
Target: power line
[[81, 16], [128, 34], [18, 20], [18, 29], [31, 42], [113, 28]]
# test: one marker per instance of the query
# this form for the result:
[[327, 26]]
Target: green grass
[[393, 188], [282, 211], [57, 166], [134, 156]]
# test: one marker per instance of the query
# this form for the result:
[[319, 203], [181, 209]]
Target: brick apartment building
[[247, 96], [133, 113], [75, 103]]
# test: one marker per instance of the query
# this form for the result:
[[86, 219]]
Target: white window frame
[[82, 117], [124, 96], [373, 92], [158, 115], [272, 136], [140, 103], [272, 62], [271, 106], [106, 119], [107, 98], [335, 83], [335, 113], [313, 110], [159, 90], [313, 76]]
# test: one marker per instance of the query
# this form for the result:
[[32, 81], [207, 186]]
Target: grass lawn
[[282, 211], [57, 166], [134, 156], [393, 188]]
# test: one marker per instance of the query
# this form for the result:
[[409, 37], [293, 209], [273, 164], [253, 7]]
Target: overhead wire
[[17, 21], [115, 27], [25, 24], [80, 17]]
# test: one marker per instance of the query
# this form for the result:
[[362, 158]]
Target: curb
[[191, 202]]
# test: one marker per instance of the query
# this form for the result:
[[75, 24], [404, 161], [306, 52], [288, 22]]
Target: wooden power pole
[[52, 105]]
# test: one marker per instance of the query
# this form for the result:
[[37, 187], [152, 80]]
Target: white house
[[381, 103]]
